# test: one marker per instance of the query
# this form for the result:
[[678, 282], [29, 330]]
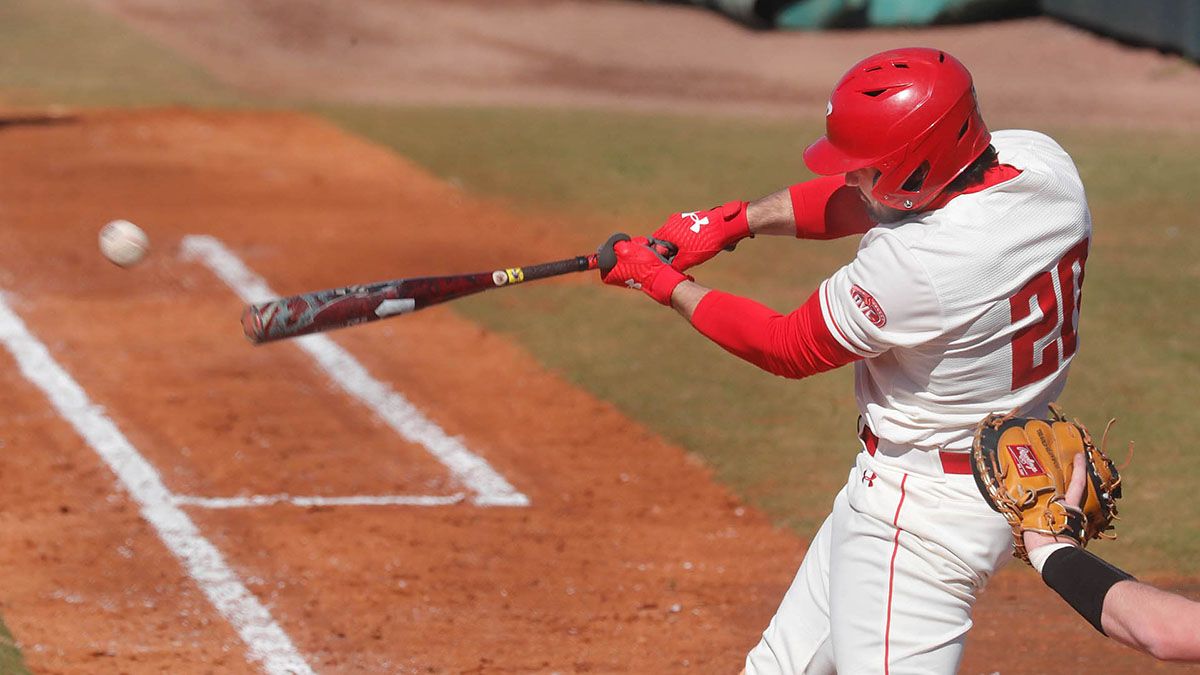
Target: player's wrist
[[735, 222], [1083, 580], [662, 282], [1040, 550], [686, 297]]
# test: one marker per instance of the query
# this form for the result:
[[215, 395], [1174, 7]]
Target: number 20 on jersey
[[1055, 294]]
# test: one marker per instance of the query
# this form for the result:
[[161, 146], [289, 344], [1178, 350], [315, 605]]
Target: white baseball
[[123, 243]]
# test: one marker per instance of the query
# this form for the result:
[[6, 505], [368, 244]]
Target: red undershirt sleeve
[[827, 208], [796, 345]]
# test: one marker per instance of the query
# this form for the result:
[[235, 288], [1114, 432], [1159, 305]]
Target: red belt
[[952, 462]]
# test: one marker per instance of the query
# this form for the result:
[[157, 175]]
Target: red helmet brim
[[825, 159]]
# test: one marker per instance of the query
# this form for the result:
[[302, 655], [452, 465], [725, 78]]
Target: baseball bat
[[350, 305]]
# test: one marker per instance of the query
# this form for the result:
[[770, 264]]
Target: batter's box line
[[253, 501], [488, 487], [265, 640]]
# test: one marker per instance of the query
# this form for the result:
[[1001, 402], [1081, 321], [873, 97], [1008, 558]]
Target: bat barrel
[[350, 305]]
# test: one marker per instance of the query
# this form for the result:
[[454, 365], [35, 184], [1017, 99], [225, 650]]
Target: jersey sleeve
[[882, 299], [827, 208], [794, 345]]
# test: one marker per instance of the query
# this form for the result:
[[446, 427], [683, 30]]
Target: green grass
[[11, 662], [785, 446], [61, 51], [1139, 359], [621, 166]]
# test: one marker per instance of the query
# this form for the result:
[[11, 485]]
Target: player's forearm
[[772, 214], [1164, 625], [795, 345], [822, 208]]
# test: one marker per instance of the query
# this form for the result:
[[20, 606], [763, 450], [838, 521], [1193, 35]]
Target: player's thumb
[[1078, 481]]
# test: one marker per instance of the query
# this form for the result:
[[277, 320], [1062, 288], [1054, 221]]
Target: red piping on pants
[[887, 631]]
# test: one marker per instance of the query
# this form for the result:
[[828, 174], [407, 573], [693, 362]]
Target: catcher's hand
[[1023, 468]]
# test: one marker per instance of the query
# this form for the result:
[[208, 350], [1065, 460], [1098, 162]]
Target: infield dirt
[[630, 557]]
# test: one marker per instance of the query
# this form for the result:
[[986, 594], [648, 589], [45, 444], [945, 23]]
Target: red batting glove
[[634, 264], [703, 234]]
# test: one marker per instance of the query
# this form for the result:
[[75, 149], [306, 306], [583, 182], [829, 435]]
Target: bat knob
[[252, 324], [607, 256]]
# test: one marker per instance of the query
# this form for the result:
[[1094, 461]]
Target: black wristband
[[1082, 580]]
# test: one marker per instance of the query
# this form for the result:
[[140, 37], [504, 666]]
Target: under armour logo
[[697, 221], [869, 477], [633, 284]]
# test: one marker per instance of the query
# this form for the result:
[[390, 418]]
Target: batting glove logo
[[697, 221]]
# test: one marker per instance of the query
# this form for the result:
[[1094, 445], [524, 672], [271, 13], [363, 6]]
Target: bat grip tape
[[1083, 580], [553, 269]]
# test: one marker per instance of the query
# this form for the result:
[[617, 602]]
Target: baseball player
[[1164, 625], [963, 299]]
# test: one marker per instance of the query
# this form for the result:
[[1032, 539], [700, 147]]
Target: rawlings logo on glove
[[1027, 481]]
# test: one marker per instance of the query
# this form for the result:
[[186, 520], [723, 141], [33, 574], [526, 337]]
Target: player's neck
[[994, 175]]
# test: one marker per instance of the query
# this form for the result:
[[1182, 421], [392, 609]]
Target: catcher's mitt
[[1023, 467]]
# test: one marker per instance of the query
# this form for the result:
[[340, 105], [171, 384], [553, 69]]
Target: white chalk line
[[265, 640], [251, 501], [488, 486]]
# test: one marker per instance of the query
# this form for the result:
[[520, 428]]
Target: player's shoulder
[[897, 251], [1016, 139], [1044, 205], [1034, 152]]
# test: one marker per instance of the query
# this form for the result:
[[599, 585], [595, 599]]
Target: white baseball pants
[[888, 583]]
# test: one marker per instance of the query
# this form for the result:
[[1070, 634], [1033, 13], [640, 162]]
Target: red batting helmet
[[911, 114]]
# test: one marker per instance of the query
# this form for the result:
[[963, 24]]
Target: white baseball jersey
[[969, 309]]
